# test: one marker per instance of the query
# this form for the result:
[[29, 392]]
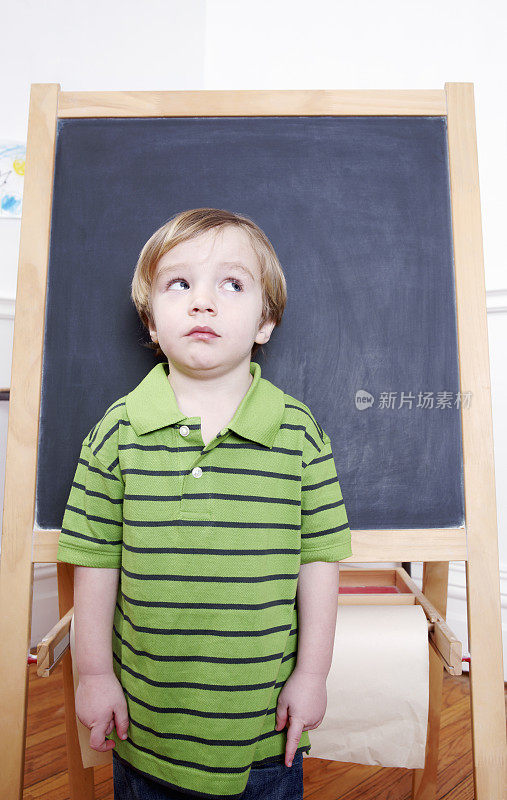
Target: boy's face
[[214, 281]]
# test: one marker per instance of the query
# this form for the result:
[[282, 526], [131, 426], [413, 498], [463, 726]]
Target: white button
[[197, 472], [184, 430]]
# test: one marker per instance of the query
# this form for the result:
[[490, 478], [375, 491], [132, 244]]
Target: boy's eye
[[238, 283], [227, 280], [176, 280]]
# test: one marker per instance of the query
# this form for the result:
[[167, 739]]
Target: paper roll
[[377, 688], [90, 757]]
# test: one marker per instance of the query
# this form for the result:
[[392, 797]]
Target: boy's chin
[[197, 361], [208, 361]]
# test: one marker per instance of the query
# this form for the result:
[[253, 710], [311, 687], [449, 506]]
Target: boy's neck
[[210, 395]]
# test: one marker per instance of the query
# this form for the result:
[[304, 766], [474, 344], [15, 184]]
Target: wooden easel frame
[[476, 543]]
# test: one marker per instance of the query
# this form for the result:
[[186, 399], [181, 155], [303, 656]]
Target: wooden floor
[[45, 759]]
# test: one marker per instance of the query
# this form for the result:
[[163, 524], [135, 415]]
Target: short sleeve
[[92, 526], [325, 532]]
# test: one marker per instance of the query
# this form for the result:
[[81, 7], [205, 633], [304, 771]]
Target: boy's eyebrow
[[176, 267]]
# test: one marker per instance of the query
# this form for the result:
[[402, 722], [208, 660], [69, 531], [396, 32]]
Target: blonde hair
[[189, 224]]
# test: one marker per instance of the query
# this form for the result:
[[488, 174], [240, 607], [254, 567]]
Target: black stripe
[[187, 737], [312, 486], [254, 446], [200, 632], [240, 498], [224, 470], [93, 539], [324, 533], [307, 511], [292, 427], [135, 471], [318, 459], [95, 429], [100, 472], [92, 517], [313, 442], [200, 659], [197, 712], [155, 447], [107, 436], [144, 576], [210, 523], [96, 494], [210, 551], [308, 414], [193, 765], [222, 606], [113, 465]]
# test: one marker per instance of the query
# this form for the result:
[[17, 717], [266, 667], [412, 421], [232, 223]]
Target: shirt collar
[[152, 405]]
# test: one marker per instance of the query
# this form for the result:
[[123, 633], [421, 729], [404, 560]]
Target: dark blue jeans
[[270, 782]]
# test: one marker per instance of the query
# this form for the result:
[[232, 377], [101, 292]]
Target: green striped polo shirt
[[209, 542]]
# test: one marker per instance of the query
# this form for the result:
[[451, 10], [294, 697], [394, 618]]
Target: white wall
[[116, 44], [280, 44]]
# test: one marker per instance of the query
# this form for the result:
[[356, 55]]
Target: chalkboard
[[358, 210]]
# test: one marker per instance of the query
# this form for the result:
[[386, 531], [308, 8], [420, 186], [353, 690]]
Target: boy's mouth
[[203, 332]]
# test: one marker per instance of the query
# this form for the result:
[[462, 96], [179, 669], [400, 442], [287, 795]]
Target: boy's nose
[[203, 303]]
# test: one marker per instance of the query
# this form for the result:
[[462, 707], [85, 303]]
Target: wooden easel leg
[[424, 781], [489, 748], [81, 780], [16, 587]]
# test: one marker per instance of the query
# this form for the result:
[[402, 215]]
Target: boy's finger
[[293, 736], [122, 724], [281, 719], [109, 744], [97, 737]]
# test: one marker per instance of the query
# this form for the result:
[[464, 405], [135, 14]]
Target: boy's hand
[[100, 703], [303, 700]]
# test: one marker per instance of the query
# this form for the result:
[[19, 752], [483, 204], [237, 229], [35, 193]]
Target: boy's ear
[[152, 330], [265, 331]]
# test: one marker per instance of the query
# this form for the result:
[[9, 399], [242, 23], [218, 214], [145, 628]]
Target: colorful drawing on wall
[[12, 171]]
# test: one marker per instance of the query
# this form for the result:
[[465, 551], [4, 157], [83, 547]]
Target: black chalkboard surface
[[358, 210]]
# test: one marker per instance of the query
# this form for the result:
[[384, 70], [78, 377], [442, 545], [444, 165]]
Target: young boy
[[206, 523]]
